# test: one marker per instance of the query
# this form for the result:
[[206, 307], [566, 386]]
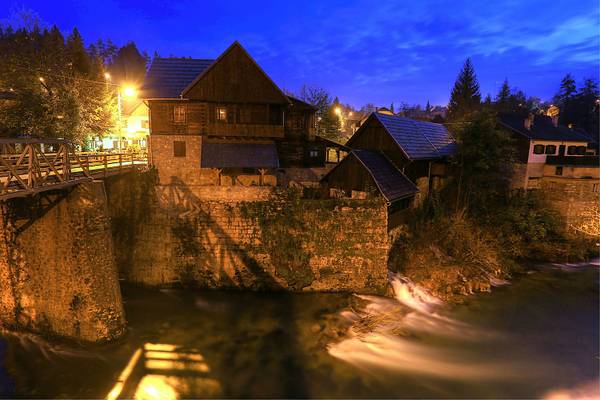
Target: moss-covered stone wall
[[168, 235]]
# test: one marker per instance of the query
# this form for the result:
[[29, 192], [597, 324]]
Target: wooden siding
[[350, 175], [201, 121], [373, 136], [236, 78], [244, 130]]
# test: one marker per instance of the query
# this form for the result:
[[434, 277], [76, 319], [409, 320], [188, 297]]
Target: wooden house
[[395, 157], [225, 122]]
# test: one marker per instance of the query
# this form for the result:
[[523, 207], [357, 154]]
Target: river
[[535, 337]]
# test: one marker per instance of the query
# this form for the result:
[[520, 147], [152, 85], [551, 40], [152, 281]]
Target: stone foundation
[[168, 235], [57, 269]]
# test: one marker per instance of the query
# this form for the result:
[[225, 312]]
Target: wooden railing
[[29, 166]]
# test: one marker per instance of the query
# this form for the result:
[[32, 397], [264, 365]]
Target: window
[[558, 171], [145, 124], [581, 150], [314, 153], [550, 149], [221, 114], [595, 188], [538, 149], [178, 149], [571, 150], [179, 114]]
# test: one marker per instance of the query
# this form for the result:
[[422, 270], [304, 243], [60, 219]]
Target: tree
[[428, 107], [59, 89], [503, 96], [328, 123], [486, 155], [465, 97], [128, 65]]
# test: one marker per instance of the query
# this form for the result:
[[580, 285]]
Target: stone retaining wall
[[57, 269], [175, 234]]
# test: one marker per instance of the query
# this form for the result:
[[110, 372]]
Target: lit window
[[179, 114], [145, 124], [314, 153], [538, 149], [550, 149], [559, 171], [221, 114], [178, 149], [572, 150]]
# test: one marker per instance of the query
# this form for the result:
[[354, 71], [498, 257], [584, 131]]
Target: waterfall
[[406, 334]]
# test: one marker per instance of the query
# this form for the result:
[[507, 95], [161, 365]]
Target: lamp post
[[125, 91]]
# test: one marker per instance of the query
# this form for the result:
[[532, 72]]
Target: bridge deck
[[29, 166]]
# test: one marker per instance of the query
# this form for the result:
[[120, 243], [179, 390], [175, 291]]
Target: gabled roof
[[233, 46], [239, 155], [417, 139], [541, 129], [301, 103], [390, 181], [168, 77]]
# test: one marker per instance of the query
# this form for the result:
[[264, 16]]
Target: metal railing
[[29, 166]]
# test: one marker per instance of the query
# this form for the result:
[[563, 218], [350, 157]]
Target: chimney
[[555, 121], [528, 122]]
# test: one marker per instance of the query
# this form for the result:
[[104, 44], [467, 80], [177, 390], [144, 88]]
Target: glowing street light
[[107, 76], [129, 92], [338, 111], [41, 79]]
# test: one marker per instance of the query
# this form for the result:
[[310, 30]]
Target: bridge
[[30, 166]]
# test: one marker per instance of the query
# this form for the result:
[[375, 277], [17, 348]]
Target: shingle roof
[[167, 77], [541, 129], [418, 139], [392, 183], [239, 155]]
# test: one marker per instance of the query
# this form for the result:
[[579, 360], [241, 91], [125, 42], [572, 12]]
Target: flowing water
[[535, 337]]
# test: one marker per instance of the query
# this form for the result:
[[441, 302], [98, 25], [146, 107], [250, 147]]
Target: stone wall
[[576, 200], [57, 269], [175, 235]]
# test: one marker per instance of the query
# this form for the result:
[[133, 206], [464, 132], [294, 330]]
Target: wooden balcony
[[243, 130]]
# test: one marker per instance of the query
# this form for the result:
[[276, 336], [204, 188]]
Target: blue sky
[[361, 51]]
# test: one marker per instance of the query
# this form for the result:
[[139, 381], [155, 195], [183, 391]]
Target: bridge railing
[[33, 165]]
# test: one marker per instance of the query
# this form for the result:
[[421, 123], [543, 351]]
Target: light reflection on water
[[535, 337]]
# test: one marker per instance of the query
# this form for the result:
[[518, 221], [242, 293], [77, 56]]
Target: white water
[[411, 334]]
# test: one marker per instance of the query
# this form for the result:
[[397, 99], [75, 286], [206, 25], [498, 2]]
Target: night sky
[[362, 51]]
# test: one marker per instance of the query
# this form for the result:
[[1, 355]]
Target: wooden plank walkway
[[30, 166]]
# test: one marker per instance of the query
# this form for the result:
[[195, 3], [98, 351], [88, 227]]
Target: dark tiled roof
[[167, 77], [541, 129], [418, 139], [239, 155], [392, 183]]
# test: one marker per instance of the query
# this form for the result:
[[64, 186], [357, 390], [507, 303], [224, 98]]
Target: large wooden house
[[225, 122], [393, 157]]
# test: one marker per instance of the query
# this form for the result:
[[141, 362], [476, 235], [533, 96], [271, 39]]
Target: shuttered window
[[178, 149]]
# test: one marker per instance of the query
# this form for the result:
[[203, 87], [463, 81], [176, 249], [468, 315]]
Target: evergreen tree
[[465, 97], [503, 96], [128, 65], [428, 107]]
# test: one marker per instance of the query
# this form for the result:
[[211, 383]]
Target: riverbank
[[454, 255]]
